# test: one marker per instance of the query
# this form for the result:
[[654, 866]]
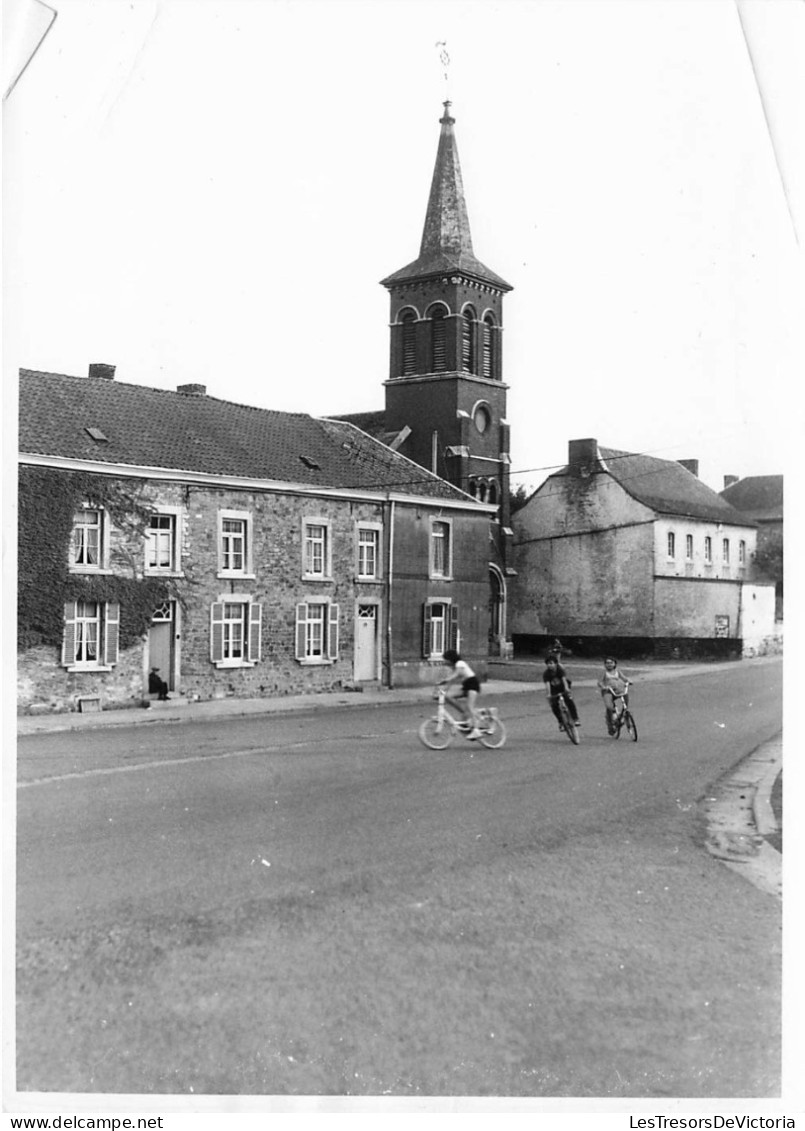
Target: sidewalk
[[506, 677]]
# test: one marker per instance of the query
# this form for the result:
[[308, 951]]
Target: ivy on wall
[[48, 501]]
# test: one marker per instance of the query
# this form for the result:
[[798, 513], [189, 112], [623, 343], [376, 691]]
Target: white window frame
[[106, 620], [375, 529], [725, 551], [246, 571], [670, 540], [251, 624], [174, 568], [742, 552], [688, 547], [708, 549], [447, 573], [309, 522], [448, 630], [103, 528], [317, 631]]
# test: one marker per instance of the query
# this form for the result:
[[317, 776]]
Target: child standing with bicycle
[[470, 688], [613, 683], [557, 684]]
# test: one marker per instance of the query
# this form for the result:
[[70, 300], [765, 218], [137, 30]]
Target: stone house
[[760, 497], [242, 552], [632, 554]]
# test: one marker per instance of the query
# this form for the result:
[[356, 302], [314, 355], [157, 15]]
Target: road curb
[[739, 816]]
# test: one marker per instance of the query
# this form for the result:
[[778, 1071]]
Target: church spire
[[447, 225], [446, 239]]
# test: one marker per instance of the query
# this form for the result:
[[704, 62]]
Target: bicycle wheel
[[631, 725], [495, 736], [571, 730], [436, 733]]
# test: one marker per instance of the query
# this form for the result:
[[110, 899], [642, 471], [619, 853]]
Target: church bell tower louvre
[[445, 376]]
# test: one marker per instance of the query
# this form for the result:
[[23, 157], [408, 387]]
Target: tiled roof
[[758, 496], [668, 487], [155, 428]]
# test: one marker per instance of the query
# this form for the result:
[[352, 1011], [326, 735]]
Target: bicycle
[[438, 731], [623, 718], [566, 722]]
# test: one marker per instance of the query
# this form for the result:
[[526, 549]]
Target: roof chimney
[[729, 480], [583, 456], [192, 390], [101, 369], [692, 465]]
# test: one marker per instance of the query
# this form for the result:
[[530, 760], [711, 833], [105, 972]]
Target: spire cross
[[444, 59]]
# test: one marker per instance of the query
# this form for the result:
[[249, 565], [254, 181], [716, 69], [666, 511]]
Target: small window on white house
[[235, 632], [368, 553], [671, 544], [317, 632], [316, 549], [688, 547], [91, 630], [725, 551], [440, 629], [160, 544], [708, 550], [89, 549], [742, 552], [441, 550], [234, 544]]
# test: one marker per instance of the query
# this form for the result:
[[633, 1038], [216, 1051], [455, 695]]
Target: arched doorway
[[497, 612]]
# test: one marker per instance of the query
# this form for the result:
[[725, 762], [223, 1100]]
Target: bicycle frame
[[492, 732]]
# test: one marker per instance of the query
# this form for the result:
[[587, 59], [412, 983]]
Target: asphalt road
[[315, 904]]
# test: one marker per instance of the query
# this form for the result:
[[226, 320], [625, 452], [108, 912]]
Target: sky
[[200, 191]]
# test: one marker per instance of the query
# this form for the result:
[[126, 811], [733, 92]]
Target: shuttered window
[[487, 361], [438, 341], [91, 633], [408, 343], [440, 629], [468, 341], [317, 624], [235, 633]]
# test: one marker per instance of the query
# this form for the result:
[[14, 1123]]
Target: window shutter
[[68, 643], [301, 625], [438, 341], [454, 641], [112, 632], [217, 632], [427, 633], [255, 631], [332, 635]]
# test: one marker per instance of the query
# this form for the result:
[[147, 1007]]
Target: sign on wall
[[722, 625]]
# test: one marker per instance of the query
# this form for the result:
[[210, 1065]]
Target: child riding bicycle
[[614, 688], [557, 685], [470, 689]]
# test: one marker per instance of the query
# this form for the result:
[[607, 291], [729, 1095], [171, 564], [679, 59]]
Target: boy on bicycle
[[557, 684], [613, 685], [470, 689]]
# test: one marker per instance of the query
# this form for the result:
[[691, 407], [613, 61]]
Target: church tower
[[445, 396]]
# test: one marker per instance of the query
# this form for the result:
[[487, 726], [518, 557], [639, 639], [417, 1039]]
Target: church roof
[[446, 239], [100, 420]]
